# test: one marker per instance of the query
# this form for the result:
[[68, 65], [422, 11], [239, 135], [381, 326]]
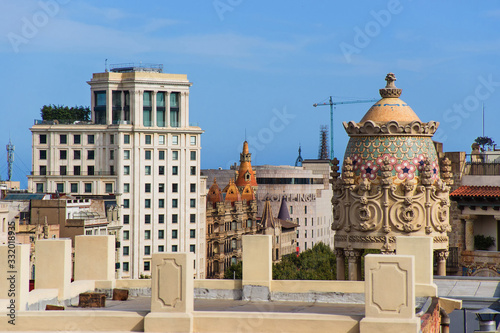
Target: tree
[[230, 272], [484, 141], [65, 113]]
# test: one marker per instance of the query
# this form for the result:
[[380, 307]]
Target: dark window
[[126, 203], [62, 170], [147, 251], [147, 203], [161, 248], [126, 139], [74, 187], [174, 203], [39, 187], [174, 234], [60, 187], [193, 171], [192, 248], [148, 139], [192, 233], [109, 187], [147, 219], [175, 187], [192, 203], [174, 248], [161, 234], [63, 154], [77, 154], [161, 203], [147, 265], [125, 266], [161, 218], [111, 154], [174, 109], [43, 139], [161, 188], [90, 170], [43, 170], [161, 170], [175, 218], [192, 218], [125, 250], [147, 187], [90, 154], [193, 187], [43, 155], [88, 187], [126, 235], [126, 219], [148, 154], [77, 139], [90, 139], [175, 170], [63, 139], [161, 155], [76, 170], [193, 156]]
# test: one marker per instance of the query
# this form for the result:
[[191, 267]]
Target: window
[[161, 234], [111, 139], [43, 170], [126, 154], [147, 265], [76, 170], [77, 138], [126, 203], [174, 248], [90, 139], [126, 170], [147, 188], [147, 203], [160, 109], [148, 139], [39, 187], [193, 156], [125, 234], [88, 187], [192, 188], [161, 203], [90, 170], [175, 155], [148, 154], [126, 139], [161, 218], [111, 154], [126, 219], [305, 209], [192, 140], [125, 250], [63, 139], [60, 187], [62, 170], [161, 155], [147, 234], [305, 233], [174, 234], [74, 187], [63, 154], [193, 170], [305, 221], [175, 218], [174, 109], [233, 244], [174, 203], [175, 170], [249, 223], [192, 233], [146, 107], [42, 138], [43, 155], [192, 248], [125, 266], [147, 170], [192, 218], [192, 203], [109, 187], [175, 139], [161, 170], [161, 140], [161, 248], [147, 250], [291, 209], [161, 188], [126, 188], [175, 187], [90, 154], [77, 154]]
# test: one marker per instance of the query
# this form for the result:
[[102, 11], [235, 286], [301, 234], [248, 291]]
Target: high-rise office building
[[140, 148]]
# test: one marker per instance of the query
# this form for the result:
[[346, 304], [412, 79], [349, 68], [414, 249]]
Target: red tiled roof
[[476, 191]]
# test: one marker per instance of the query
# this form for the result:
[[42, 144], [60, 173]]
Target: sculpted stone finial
[[390, 90]]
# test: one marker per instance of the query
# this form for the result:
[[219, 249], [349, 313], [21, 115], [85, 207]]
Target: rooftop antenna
[[245, 134], [10, 159], [106, 65], [483, 119]]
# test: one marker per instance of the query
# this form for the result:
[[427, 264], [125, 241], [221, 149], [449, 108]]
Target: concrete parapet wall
[[306, 286], [39, 298]]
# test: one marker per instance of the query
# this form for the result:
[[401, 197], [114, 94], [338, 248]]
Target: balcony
[[482, 164], [70, 173]]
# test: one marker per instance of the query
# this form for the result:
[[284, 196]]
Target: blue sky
[[258, 66]]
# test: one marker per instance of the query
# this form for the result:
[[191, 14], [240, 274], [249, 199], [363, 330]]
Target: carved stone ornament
[[391, 128]]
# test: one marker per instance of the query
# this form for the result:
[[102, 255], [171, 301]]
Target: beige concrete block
[[172, 287], [389, 287], [378, 325], [421, 248], [53, 265], [168, 322], [257, 260], [14, 275], [94, 257]]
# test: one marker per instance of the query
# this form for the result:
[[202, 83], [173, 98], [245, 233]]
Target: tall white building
[[139, 147]]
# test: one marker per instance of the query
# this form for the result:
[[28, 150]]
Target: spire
[[246, 176], [267, 220], [299, 160], [283, 214]]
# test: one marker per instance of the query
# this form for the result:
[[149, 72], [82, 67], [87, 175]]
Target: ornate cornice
[[391, 128]]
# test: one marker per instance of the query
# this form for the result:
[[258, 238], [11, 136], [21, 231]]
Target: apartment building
[[139, 147]]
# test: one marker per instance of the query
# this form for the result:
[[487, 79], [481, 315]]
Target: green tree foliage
[[484, 141], [318, 263], [238, 268], [65, 113]]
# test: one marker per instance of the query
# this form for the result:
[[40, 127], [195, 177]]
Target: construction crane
[[332, 106]]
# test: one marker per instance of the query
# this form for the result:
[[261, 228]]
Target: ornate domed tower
[[390, 184]]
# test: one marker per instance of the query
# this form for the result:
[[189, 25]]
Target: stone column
[[354, 264], [469, 233], [441, 264], [14, 277], [339, 254], [95, 258], [257, 267], [53, 266]]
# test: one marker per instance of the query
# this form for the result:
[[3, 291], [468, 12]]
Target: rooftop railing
[[482, 164]]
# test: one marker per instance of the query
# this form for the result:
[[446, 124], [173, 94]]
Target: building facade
[[139, 147]]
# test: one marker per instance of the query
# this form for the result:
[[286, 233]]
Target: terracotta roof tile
[[476, 191]]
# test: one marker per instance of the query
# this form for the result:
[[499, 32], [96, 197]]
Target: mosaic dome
[[391, 131]]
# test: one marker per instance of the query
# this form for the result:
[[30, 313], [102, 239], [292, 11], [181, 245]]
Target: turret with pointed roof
[[245, 175]]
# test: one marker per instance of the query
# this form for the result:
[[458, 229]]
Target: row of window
[[161, 218], [77, 155], [161, 248], [77, 139], [161, 187], [161, 235], [161, 170], [73, 187], [161, 203]]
